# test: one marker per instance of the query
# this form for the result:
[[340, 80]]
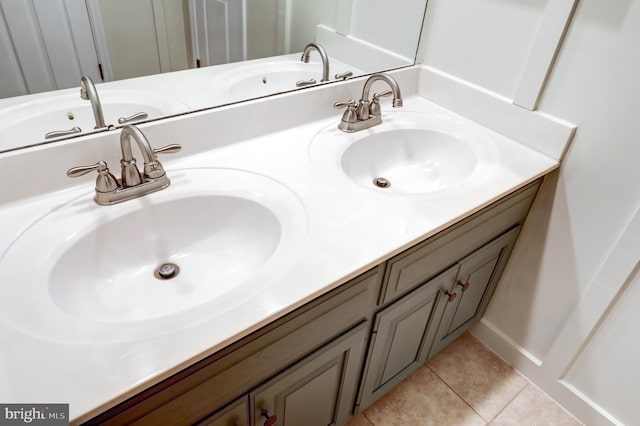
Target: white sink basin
[[28, 122], [408, 154], [91, 271]]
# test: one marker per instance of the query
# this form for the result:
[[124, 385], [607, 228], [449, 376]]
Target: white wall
[[564, 311], [305, 16], [393, 28]]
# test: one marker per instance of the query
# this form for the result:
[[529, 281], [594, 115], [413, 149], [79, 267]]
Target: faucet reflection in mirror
[[89, 93], [323, 55], [132, 184], [365, 113]]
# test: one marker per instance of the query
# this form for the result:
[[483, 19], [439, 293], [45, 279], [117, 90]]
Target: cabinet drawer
[[413, 267], [209, 385]]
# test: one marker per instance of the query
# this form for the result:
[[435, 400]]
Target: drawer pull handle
[[464, 286], [452, 296], [270, 420]]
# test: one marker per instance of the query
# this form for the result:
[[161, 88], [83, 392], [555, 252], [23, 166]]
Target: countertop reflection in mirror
[[168, 57]]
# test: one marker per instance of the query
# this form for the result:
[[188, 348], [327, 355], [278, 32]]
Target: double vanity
[[291, 273]]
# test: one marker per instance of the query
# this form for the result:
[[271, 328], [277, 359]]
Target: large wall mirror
[[151, 59]]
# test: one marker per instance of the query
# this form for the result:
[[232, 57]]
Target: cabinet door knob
[[452, 296], [270, 420], [465, 286]]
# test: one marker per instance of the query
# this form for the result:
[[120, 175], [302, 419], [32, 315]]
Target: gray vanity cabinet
[[320, 390], [475, 282], [399, 343], [436, 290], [412, 329]]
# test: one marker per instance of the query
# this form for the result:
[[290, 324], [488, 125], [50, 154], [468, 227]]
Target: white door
[[218, 31], [45, 45]]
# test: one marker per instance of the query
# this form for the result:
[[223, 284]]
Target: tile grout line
[[368, 419], [509, 403], [456, 393], [528, 380]]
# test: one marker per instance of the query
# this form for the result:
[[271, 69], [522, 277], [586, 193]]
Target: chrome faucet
[[367, 113], [132, 184], [89, 93], [323, 55]]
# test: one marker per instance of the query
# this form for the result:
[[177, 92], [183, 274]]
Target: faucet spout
[[89, 93], [393, 84], [364, 106], [367, 113], [152, 167], [323, 55]]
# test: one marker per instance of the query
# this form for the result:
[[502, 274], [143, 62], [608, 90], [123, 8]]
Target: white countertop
[[349, 229]]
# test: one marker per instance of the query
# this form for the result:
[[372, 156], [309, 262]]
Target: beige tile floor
[[465, 384]]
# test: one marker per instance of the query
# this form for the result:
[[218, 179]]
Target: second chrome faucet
[[367, 113]]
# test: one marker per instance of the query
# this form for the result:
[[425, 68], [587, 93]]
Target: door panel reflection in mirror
[[47, 45], [155, 41], [217, 31]]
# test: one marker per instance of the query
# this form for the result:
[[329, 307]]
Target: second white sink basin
[[91, 270], [408, 154]]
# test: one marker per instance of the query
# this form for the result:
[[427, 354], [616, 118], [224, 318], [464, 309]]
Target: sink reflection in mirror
[[408, 154], [90, 270], [31, 121], [265, 78]]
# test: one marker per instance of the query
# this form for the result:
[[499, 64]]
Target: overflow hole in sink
[[264, 80], [381, 182], [70, 115], [166, 271]]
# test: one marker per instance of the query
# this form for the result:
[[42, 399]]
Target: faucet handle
[[377, 96], [134, 117], [374, 107], [168, 149], [345, 75], [105, 182], [350, 115], [154, 169], [350, 103]]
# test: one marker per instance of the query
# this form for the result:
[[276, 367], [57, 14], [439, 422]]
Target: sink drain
[[166, 271], [381, 182]]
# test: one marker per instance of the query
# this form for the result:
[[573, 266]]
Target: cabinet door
[[477, 277], [320, 390], [235, 414], [398, 343]]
